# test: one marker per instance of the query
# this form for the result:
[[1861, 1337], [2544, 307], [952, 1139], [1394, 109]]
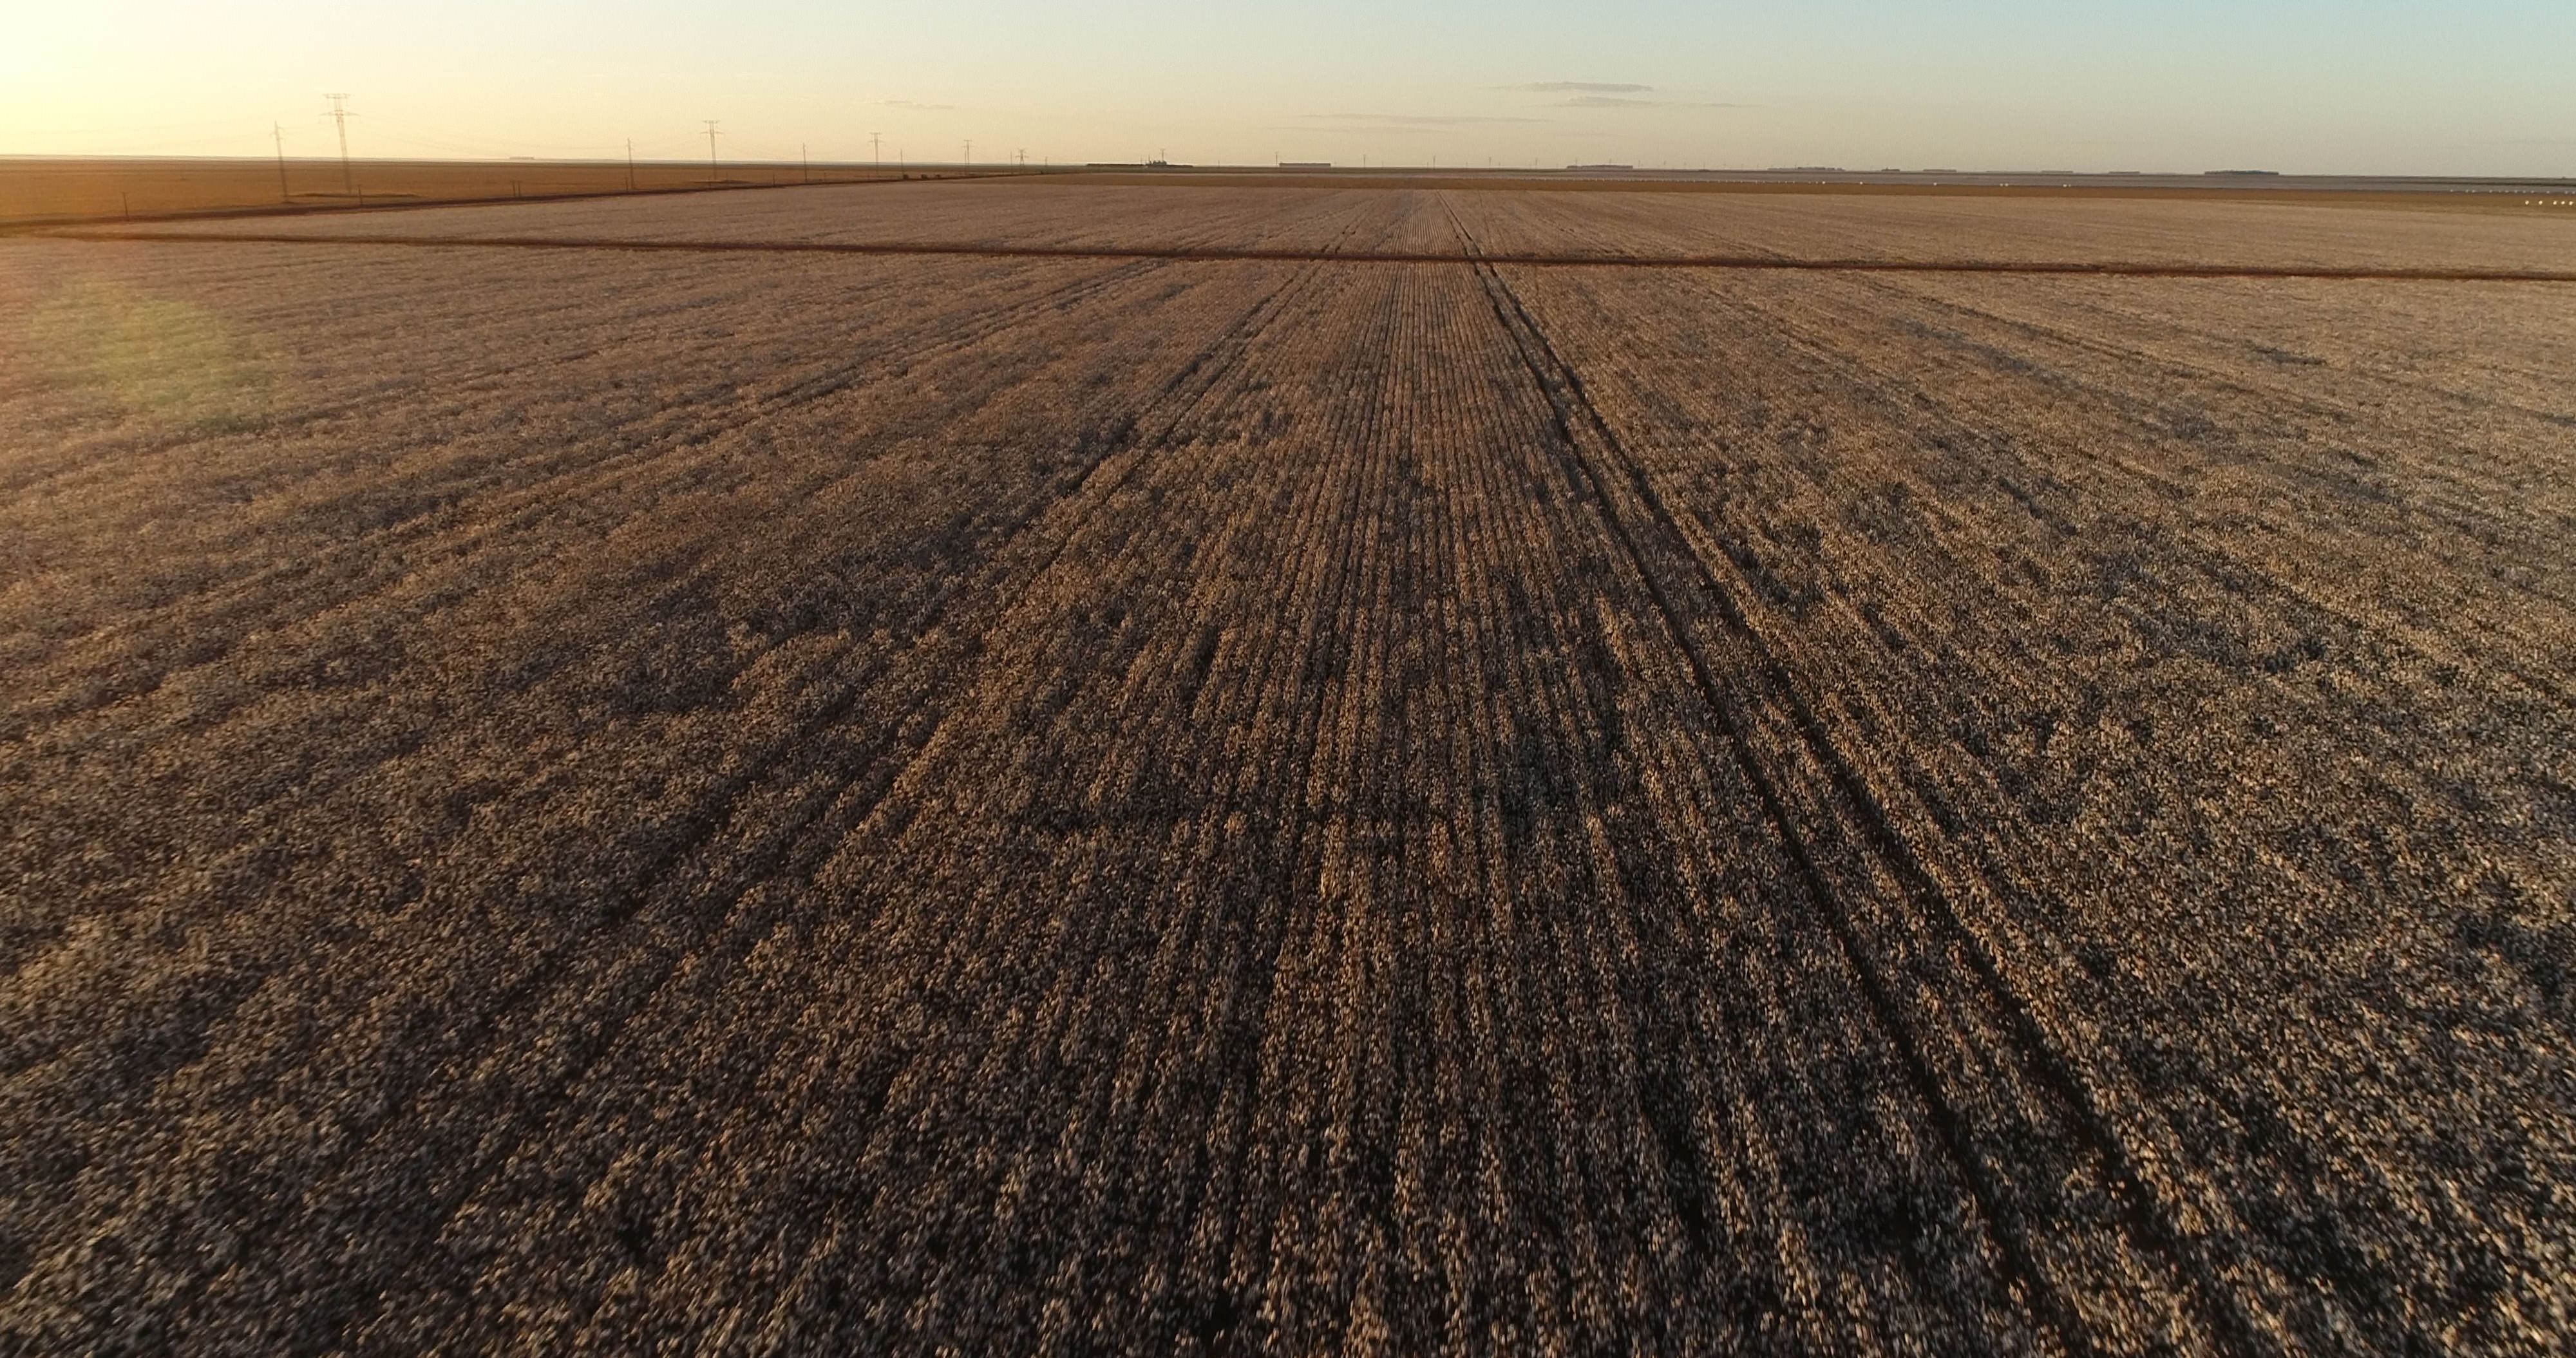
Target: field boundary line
[[1218, 255]]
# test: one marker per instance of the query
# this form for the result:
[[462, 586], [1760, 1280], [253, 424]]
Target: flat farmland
[[563, 797]]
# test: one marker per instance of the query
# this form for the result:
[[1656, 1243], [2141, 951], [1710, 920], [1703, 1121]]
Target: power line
[[477, 146], [340, 114]]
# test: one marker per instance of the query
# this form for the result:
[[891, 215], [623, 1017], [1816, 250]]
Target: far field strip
[[1207, 254]]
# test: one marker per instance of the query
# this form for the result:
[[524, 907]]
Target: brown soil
[[49, 189]]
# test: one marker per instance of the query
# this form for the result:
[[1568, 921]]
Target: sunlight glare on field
[[157, 357]]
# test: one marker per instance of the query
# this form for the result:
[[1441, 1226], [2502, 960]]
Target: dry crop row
[[2041, 230], [2277, 706]]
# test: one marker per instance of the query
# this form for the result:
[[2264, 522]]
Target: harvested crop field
[[37, 189], [569, 798]]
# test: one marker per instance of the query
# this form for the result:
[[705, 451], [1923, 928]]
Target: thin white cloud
[[1608, 101], [1582, 87], [1413, 119]]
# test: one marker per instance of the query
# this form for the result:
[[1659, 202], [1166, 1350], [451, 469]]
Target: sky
[[2475, 87]]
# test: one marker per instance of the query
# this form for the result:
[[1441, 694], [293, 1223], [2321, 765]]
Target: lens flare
[[157, 357]]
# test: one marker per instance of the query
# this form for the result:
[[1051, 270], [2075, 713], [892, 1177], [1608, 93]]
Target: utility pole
[[1024, 160], [805, 160], [630, 164], [970, 150], [279, 132], [876, 151], [712, 170], [340, 114]]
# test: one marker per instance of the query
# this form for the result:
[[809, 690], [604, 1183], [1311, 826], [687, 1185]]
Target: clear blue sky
[[2476, 87]]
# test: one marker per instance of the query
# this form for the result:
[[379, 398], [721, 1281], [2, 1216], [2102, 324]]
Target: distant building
[[1600, 167], [1305, 165]]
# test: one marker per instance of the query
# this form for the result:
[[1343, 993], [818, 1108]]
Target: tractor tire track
[[1595, 451]]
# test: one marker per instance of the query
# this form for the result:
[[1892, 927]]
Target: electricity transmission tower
[[876, 151], [340, 114], [279, 132], [712, 170], [970, 150]]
